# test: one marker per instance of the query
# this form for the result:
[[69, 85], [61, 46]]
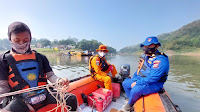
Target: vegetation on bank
[[65, 44], [186, 39]]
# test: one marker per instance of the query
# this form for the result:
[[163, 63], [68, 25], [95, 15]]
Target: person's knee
[[137, 90], [72, 102], [17, 105], [107, 79], [125, 83]]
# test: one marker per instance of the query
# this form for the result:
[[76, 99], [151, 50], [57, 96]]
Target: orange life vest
[[15, 78], [102, 63]]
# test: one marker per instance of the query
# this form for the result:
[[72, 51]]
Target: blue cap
[[149, 41]]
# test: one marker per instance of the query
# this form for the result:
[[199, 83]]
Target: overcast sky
[[116, 23]]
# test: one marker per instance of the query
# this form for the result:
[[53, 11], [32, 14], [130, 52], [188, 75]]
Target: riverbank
[[51, 52], [186, 52]]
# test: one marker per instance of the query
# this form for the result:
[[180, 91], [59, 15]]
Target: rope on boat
[[27, 90], [61, 95], [61, 98]]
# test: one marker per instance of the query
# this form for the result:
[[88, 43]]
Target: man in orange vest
[[22, 68], [100, 68]]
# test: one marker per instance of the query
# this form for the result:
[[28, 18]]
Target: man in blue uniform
[[151, 74]]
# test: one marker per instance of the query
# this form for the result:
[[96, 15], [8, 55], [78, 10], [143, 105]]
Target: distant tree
[[44, 42], [55, 42], [88, 44], [111, 50], [69, 41], [33, 41], [83, 44], [72, 41], [5, 44]]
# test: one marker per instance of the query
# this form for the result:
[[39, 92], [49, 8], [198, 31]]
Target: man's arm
[[4, 88], [50, 74], [52, 77]]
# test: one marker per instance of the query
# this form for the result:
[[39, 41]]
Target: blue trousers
[[138, 90]]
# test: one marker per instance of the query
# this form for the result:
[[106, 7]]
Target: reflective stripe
[[140, 65], [142, 74]]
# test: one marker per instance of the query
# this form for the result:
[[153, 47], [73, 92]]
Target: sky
[[116, 23]]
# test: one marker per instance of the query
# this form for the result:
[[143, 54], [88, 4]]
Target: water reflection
[[68, 60], [185, 69], [70, 67]]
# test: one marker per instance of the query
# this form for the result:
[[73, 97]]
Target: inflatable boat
[[92, 96], [83, 87]]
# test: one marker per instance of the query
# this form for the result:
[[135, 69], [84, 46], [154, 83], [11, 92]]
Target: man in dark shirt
[[22, 68]]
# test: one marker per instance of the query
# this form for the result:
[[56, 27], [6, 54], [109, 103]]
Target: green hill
[[183, 39]]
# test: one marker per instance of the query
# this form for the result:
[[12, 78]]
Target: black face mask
[[149, 50]]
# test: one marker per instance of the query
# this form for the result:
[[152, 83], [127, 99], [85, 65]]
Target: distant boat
[[86, 53]]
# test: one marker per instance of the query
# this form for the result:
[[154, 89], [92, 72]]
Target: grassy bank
[[46, 51], [52, 52]]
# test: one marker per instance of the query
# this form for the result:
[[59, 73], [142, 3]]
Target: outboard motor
[[124, 73]]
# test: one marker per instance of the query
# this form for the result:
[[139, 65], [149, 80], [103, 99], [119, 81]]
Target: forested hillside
[[187, 36]]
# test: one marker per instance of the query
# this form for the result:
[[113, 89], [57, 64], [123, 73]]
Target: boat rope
[[27, 90], [61, 95]]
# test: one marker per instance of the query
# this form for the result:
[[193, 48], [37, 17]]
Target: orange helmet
[[102, 48]]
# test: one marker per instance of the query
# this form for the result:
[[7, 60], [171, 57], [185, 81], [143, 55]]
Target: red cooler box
[[102, 97], [116, 90]]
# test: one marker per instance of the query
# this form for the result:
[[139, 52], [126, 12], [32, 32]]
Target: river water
[[183, 84]]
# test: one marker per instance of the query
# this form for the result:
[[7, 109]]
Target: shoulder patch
[[97, 62], [156, 63]]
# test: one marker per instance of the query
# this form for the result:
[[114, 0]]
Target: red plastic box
[[116, 90], [102, 98]]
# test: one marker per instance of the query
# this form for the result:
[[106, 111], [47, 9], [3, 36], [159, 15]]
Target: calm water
[[183, 84]]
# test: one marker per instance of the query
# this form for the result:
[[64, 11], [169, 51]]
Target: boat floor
[[118, 105]]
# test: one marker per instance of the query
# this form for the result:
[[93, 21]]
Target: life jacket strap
[[90, 67], [20, 86], [39, 59], [12, 62], [42, 79]]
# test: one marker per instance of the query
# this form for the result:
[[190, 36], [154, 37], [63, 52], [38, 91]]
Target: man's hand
[[133, 84], [110, 68], [63, 81]]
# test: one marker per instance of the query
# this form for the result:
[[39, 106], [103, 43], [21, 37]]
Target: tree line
[[43, 42]]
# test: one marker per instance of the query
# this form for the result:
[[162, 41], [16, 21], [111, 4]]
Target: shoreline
[[167, 52]]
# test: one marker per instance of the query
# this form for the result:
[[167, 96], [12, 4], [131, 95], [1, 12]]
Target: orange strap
[[141, 62]]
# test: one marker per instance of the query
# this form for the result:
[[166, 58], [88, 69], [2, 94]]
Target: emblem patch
[[149, 62], [156, 63], [149, 40], [31, 76]]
